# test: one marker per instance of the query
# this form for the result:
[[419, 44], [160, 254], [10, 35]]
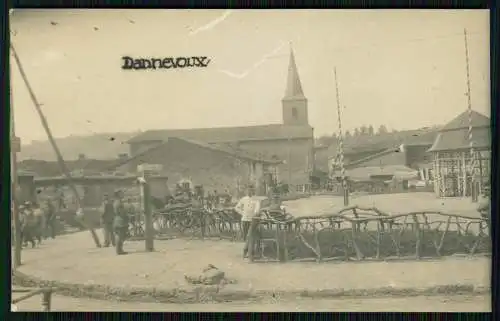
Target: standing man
[[248, 208], [120, 222], [50, 218], [107, 217]]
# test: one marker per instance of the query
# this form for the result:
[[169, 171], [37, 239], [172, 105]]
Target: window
[[294, 113]]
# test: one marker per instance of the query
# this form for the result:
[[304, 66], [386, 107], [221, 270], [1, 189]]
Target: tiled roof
[[228, 134], [455, 135], [239, 154], [462, 121], [380, 143], [51, 168], [459, 139], [243, 154]]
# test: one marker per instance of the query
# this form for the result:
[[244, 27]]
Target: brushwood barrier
[[353, 233]]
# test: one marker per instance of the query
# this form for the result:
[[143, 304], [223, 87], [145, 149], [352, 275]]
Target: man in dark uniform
[[120, 222], [50, 219], [108, 214]]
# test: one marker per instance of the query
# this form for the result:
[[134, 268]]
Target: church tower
[[294, 102]]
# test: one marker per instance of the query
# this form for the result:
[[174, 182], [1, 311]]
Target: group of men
[[115, 221], [37, 222]]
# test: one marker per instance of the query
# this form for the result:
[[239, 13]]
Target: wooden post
[[14, 185], [464, 177], [46, 300], [480, 173], [345, 188], [148, 215], [418, 245]]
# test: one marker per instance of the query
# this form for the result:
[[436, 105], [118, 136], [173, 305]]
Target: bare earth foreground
[[410, 304], [74, 259]]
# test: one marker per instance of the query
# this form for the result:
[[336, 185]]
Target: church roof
[[293, 84], [228, 134]]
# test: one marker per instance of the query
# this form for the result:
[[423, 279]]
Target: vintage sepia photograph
[[250, 160]]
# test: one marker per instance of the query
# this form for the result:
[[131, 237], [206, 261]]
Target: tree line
[[361, 131]]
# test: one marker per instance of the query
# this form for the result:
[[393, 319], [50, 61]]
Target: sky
[[404, 69]]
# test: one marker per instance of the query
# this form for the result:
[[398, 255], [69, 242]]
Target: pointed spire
[[293, 85]]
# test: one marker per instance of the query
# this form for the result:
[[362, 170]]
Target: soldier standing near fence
[[107, 217], [50, 219], [248, 208], [120, 222]]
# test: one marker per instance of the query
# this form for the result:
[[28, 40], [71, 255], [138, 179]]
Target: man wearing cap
[[120, 222], [107, 217]]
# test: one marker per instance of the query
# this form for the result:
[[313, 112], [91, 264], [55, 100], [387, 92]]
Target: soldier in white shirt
[[248, 208]]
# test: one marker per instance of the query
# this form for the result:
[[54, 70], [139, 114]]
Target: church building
[[292, 141]]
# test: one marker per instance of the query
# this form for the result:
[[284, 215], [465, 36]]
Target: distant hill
[[97, 146]]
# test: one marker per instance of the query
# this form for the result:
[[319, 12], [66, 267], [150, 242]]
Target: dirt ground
[[74, 259], [411, 304], [390, 203]]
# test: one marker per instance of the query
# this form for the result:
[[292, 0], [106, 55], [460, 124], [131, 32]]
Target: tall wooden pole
[[60, 159], [341, 144], [148, 213], [15, 145], [471, 141]]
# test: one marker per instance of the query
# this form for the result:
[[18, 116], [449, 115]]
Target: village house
[[291, 141], [216, 168], [452, 161]]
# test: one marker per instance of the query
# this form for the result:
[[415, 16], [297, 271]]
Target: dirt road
[[411, 304]]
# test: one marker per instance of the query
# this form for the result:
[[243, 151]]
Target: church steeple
[[294, 102], [293, 84]]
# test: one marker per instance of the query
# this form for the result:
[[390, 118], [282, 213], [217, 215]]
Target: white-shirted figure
[[248, 207]]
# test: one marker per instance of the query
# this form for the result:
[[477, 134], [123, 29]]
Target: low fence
[[46, 294], [363, 233], [352, 233]]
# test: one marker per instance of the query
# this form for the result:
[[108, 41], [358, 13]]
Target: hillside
[[97, 146]]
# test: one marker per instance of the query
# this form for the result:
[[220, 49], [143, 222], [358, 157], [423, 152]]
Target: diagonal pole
[[60, 159]]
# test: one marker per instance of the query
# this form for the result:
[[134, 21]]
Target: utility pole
[[471, 141], [15, 145], [345, 188], [60, 159]]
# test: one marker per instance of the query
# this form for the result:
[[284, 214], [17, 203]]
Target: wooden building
[[452, 161], [291, 141]]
